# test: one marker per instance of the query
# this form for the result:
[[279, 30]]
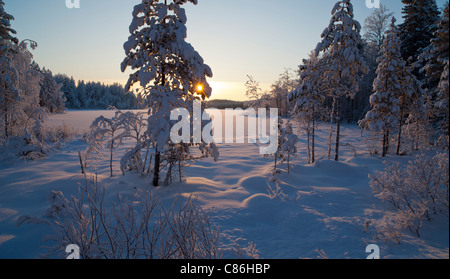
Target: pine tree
[[158, 50], [5, 26], [340, 45], [167, 68], [443, 104], [435, 58], [395, 89], [436, 54]]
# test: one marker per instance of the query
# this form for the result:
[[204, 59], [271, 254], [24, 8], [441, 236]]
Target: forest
[[362, 127]]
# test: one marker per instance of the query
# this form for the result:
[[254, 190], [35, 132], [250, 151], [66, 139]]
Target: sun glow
[[199, 88], [228, 90]]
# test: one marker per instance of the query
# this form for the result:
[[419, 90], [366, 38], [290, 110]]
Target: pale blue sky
[[235, 37]]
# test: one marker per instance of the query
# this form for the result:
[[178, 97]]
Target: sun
[[199, 88]]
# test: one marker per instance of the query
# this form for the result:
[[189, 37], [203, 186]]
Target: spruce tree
[[345, 64], [420, 21], [443, 104], [396, 91], [436, 59], [435, 56]]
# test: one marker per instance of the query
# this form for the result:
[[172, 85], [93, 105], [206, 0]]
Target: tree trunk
[[308, 143], [157, 153], [331, 128], [156, 169], [387, 141], [6, 113], [313, 139], [288, 167], [6, 123], [352, 110], [179, 169], [384, 151], [275, 164], [111, 155], [400, 124], [338, 128], [145, 160]]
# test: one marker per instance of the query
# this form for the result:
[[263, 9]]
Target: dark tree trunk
[[384, 144], [6, 123], [157, 153], [331, 127], [313, 138], [338, 128], [400, 124], [156, 169]]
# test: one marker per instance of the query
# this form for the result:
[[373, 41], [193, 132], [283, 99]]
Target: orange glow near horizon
[[220, 89]]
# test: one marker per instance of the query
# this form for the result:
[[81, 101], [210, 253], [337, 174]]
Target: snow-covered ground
[[326, 205]]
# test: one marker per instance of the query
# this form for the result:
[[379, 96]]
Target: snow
[[325, 205]]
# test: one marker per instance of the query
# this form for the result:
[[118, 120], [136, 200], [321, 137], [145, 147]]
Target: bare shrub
[[128, 227], [415, 192]]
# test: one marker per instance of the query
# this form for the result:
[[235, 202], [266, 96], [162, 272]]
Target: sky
[[236, 38]]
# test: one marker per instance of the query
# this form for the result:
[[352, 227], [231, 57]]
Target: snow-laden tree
[[443, 104], [416, 31], [308, 98], [29, 85], [435, 58], [278, 155], [389, 82], [6, 32], [165, 67], [436, 54], [19, 88], [280, 90], [289, 143], [8, 74], [413, 114], [158, 53], [51, 96], [109, 130], [396, 92], [345, 65], [9, 91], [286, 148]]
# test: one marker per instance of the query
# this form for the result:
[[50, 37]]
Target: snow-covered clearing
[[326, 205]]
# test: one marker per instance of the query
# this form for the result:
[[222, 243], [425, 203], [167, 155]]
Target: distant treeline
[[223, 104], [96, 95]]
